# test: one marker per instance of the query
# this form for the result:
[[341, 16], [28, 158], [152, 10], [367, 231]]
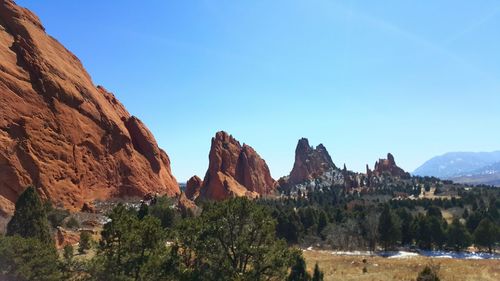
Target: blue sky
[[415, 78]]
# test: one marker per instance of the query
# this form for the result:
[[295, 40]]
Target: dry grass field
[[348, 268]]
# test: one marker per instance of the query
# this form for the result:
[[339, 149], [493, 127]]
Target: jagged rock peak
[[310, 162], [235, 170], [388, 166], [193, 187]]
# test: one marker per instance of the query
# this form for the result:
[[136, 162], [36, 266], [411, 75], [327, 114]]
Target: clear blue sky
[[415, 78]]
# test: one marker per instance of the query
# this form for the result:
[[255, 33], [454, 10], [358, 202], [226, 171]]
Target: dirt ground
[[347, 268]]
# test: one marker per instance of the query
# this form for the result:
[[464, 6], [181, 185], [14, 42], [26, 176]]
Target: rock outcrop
[[309, 162], [388, 166], [235, 170], [59, 132], [193, 187], [186, 206]]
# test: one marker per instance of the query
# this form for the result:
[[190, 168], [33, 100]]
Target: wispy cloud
[[475, 25], [421, 41]]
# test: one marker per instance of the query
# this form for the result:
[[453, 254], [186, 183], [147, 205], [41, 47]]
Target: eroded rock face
[[235, 170], [193, 187], [309, 162], [65, 237], [388, 166], [58, 131], [187, 206]]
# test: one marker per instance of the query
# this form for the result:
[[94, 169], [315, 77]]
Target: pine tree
[[26, 259], [458, 236], [30, 219], [318, 274], [299, 271], [85, 242], [389, 232], [143, 211], [486, 234]]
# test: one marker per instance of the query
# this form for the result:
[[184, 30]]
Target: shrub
[[429, 273], [85, 242]]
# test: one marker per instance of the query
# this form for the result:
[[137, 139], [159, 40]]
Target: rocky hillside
[[313, 168], [234, 170], [310, 162], [72, 140]]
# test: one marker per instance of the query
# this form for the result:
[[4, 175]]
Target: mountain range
[[464, 167]]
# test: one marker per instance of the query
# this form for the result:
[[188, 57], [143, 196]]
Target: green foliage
[[68, 262], [388, 229], [68, 252], [143, 210], [233, 240], [162, 209], [55, 216], [30, 219], [72, 223], [130, 249], [458, 236], [85, 242], [486, 234], [298, 271], [318, 275], [437, 232], [428, 274], [28, 259]]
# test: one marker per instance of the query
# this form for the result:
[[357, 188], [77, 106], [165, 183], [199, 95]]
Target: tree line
[[231, 240], [331, 218]]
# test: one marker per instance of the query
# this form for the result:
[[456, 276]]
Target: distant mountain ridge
[[464, 167]]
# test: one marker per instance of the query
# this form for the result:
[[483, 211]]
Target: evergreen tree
[[406, 223], [67, 264], [422, 231], [143, 210], [85, 242], [458, 236], [322, 222], [27, 259], [30, 219], [298, 271], [486, 234], [130, 249], [437, 233], [389, 232], [318, 274], [232, 240], [162, 209]]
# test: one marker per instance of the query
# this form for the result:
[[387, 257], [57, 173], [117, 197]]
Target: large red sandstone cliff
[[235, 170], [59, 132]]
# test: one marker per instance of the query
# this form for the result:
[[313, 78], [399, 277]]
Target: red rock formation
[[235, 170], [309, 162], [61, 133], [187, 206], [193, 187], [388, 166], [65, 237]]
